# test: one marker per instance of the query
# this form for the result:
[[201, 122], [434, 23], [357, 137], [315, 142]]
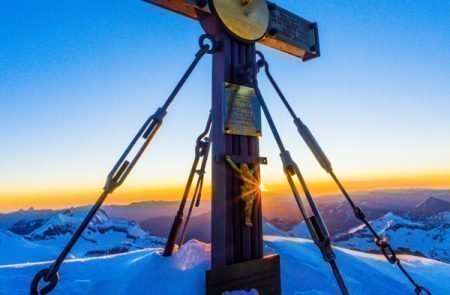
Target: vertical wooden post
[[232, 241]]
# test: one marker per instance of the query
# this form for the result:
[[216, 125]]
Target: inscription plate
[[292, 33], [241, 111], [292, 28], [262, 275]]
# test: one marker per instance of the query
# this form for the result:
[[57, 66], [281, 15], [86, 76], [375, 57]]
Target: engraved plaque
[[241, 111], [262, 275], [291, 32]]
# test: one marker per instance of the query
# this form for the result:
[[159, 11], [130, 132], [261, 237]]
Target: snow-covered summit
[[67, 222], [303, 272]]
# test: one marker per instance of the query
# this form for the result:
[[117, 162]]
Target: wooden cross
[[234, 243]]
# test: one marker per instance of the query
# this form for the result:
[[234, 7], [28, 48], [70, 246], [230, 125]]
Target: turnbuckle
[[314, 223]]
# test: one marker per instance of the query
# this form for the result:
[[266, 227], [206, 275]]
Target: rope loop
[[52, 281], [210, 48]]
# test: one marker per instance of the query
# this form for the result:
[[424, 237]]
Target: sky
[[78, 79]]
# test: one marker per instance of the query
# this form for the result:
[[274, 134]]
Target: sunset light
[[224, 147]]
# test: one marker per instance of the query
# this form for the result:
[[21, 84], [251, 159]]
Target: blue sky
[[78, 78]]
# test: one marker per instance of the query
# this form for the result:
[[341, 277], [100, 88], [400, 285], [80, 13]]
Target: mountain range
[[30, 240], [417, 225]]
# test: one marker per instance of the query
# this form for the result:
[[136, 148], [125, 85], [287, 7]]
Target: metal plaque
[[262, 275], [241, 111], [287, 32], [292, 33], [247, 20]]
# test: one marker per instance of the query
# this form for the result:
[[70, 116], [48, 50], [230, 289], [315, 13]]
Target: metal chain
[[323, 160], [196, 198], [200, 150], [314, 222], [120, 171]]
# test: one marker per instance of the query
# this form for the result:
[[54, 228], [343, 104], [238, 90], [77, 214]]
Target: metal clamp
[[288, 162], [220, 159], [159, 115]]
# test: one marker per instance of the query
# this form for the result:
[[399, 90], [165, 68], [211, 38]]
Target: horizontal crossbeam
[[287, 32]]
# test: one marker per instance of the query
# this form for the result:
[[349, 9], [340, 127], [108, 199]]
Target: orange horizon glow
[[57, 198]]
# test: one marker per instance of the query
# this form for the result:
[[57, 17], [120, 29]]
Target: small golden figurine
[[248, 189]]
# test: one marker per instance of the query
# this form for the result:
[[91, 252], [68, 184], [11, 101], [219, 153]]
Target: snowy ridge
[[104, 235], [424, 237], [300, 231], [271, 230], [303, 272]]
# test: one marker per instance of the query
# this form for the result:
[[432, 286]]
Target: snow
[[430, 237], [303, 272], [300, 231], [14, 248], [271, 230], [104, 235]]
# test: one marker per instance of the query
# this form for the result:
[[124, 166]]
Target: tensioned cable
[[120, 171], [323, 160]]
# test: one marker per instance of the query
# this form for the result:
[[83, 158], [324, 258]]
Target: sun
[[262, 187]]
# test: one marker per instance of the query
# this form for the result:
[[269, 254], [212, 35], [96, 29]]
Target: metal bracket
[[241, 159], [159, 115]]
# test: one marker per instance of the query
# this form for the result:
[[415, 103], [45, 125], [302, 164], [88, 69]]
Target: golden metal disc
[[245, 19]]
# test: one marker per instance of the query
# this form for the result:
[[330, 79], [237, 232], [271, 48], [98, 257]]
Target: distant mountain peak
[[431, 207], [68, 212]]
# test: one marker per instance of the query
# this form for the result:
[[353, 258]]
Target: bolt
[[273, 31]]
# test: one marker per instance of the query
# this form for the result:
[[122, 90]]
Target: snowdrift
[[303, 272]]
